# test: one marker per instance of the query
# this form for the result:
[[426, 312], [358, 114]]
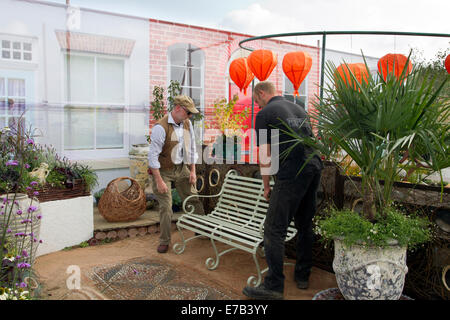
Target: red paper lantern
[[261, 63], [296, 66], [447, 63], [241, 74], [393, 63], [359, 70]]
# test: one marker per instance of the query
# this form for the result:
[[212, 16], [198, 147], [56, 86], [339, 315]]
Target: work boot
[[262, 293], [302, 283], [163, 248]]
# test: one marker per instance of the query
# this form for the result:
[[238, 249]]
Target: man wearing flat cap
[[171, 158]]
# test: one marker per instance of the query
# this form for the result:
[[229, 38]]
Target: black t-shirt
[[296, 118]]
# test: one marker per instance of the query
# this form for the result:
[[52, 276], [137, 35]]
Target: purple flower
[[9, 230], [27, 166], [24, 253], [29, 188], [23, 265], [30, 141], [36, 193], [19, 212], [12, 163], [39, 216], [33, 183], [22, 285], [2, 213], [32, 209]]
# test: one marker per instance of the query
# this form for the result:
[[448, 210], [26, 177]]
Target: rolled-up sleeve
[[157, 137]]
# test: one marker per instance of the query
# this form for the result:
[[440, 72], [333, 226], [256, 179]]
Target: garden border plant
[[19, 155]]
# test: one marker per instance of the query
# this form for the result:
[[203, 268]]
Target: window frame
[[95, 153], [305, 81], [6, 115], [201, 69], [12, 38]]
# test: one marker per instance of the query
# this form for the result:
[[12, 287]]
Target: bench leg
[[252, 279], [179, 247], [255, 281], [212, 263]]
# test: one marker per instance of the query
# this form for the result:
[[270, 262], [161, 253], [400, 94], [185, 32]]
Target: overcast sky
[[284, 16]]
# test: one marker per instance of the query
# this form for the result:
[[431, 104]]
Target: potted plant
[[376, 123], [231, 127]]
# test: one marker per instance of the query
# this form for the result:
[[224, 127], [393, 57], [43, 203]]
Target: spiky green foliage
[[379, 124]]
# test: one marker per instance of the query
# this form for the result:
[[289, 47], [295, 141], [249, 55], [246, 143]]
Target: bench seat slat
[[240, 207], [237, 220], [231, 211], [233, 232], [250, 198], [243, 190]]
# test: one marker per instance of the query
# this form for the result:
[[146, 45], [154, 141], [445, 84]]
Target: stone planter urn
[[370, 273], [24, 222], [138, 156]]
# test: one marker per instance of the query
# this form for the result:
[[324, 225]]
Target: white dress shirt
[[158, 137]]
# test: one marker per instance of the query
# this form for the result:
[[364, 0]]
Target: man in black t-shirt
[[294, 193]]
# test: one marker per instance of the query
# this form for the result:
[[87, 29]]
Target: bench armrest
[[191, 207]]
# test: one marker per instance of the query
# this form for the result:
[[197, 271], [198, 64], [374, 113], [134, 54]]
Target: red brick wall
[[217, 46]]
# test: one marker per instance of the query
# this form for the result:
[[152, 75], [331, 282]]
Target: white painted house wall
[[46, 96], [339, 57]]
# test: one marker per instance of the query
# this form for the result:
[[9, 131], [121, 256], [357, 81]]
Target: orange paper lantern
[[393, 63], [261, 63], [241, 74], [359, 70], [296, 66], [447, 63]]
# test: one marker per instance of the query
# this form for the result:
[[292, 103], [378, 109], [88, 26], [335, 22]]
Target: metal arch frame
[[324, 38]]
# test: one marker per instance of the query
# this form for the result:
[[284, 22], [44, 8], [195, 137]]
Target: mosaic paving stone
[[149, 279]]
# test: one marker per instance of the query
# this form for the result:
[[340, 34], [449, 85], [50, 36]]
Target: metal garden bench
[[237, 220]]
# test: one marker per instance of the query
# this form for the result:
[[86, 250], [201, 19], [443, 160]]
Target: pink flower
[[12, 163]]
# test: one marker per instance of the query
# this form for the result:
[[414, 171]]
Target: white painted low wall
[[65, 223]]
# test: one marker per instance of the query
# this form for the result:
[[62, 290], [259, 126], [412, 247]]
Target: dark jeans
[[290, 199]]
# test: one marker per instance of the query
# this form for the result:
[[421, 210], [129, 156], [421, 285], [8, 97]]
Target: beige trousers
[[179, 174]]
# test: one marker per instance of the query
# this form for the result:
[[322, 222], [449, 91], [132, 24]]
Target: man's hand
[[192, 178], [267, 193], [160, 184], [162, 187]]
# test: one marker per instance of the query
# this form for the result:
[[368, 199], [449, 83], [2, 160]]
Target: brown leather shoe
[[163, 248]]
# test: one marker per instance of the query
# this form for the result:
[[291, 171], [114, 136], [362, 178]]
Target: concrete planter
[[23, 203], [370, 273], [65, 223], [139, 164]]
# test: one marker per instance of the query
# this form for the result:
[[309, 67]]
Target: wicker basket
[[120, 206]]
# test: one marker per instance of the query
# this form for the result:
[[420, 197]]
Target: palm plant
[[379, 123]]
